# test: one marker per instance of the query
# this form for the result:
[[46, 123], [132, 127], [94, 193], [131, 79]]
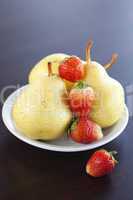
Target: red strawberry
[[101, 163], [72, 69], [81, 98], [85, 131]]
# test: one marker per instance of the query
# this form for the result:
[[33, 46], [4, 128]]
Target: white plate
[[63, 144]]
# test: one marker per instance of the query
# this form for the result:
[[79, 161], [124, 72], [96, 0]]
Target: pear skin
[[110, 98], [41, 111], [41, 69]]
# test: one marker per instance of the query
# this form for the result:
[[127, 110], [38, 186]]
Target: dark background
[[30, 30]]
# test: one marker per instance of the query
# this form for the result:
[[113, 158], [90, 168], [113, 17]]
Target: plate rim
[[53, 147]]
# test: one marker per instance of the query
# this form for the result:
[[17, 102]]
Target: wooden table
[[30, 30]]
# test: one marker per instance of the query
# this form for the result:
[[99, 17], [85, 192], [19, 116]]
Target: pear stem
[[88, 51], [49, 68], [113, 60]]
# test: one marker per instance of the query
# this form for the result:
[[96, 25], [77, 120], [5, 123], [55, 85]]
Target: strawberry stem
[[112, 153]]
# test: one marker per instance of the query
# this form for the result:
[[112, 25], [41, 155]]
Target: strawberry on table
[[101, 163], [72, 69]]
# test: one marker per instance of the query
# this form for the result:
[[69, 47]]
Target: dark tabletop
[[32, 29]]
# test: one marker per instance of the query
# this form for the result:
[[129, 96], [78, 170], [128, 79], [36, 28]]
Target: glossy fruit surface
[[40, 111], [109, 104], [101, 163], [85, 131], [81, 98], [72, 69], [41, 69]]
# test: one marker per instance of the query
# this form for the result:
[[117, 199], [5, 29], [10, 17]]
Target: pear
[[110, 99], [41, 69], [41, 110]]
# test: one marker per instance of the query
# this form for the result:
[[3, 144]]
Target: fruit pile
[[66, 93], [82, 129]]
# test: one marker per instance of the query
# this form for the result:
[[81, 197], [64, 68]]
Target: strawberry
[[81, 98], [72, 69], [85, 131], [101, 163]]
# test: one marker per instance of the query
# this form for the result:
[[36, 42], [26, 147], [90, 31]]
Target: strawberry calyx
[[80, 85], [73, 125], [112, 153]]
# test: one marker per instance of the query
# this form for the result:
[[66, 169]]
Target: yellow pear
[[41, 111], [41, 69], [110, 99]]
